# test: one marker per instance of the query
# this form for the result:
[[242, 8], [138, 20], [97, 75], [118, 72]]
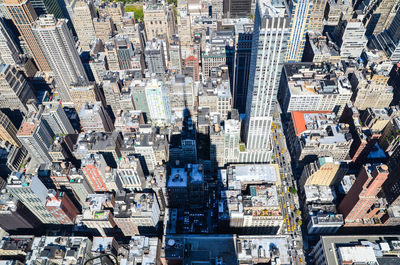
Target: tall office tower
[[112, 90], [270, 37], [184, 24], [389, 40], [56, 118], [9, 51], [16, 92], [237, 8], [8, 132], [361, 202], [58, 46], [299, 23], [23, 15], [244, 35], [104, 28], [83, 23], [192, 67], [317, 15], [159, 20], [157, 96], [154, 54], [115, 10], [351, 38], [36, 136], [377, 19], [94, 117], [32, 193]]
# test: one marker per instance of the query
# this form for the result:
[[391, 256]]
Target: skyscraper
[[36, 136], [237, 8], [58, 45], [83, 23], [56, 118], [351, 38], [317, 15], [270, 37], [32, 193], [244, 34], [299, 23], [15, 90], [23, 15], [8, 132], [9, 51], [379, 17], [358, 204]]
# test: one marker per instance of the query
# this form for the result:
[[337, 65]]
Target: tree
[[299, 222], [297, 212], [293, 190]]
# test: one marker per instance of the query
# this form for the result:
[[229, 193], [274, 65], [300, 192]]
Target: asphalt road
[[289, 201]]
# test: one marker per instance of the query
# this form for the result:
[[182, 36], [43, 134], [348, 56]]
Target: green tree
[[299, 222], [293, 190], [297, 212]]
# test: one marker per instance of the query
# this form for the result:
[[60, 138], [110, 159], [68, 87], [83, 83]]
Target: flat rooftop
[[255, 173]]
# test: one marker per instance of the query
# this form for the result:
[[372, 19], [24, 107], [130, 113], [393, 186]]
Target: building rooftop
[[254, 173], [178, 178], [314, 79], [358, 248], [327, 219], [319, 193], [263, 249], [198, 249], [134, 204], [320, 126], [142, 250], [102, 244], [59, 250]]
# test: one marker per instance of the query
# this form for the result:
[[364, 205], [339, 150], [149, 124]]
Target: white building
[[157, 95], [58, 45], [270, 37], [309, 87], [94, 117], [58, 121]]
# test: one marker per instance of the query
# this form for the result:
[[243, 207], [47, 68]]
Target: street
[[288, 193]]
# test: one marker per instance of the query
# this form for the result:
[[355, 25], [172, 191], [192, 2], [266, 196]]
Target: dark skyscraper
[[242, 65]]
